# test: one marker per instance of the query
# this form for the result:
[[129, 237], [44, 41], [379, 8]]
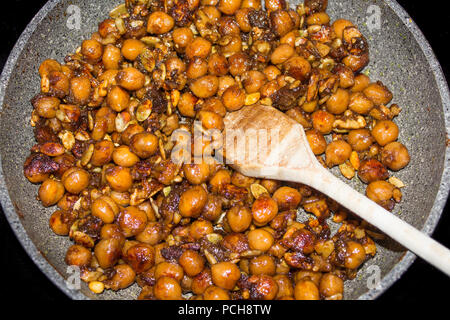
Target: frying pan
[[400, 57]]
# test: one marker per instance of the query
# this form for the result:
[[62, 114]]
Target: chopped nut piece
[[347, 170], [396, 182], [354, 160], [252, 98], [258, 190]]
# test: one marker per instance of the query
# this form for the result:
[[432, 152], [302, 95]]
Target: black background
[[21, 278]]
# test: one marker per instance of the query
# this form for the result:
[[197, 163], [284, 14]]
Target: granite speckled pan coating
[[401, 58]]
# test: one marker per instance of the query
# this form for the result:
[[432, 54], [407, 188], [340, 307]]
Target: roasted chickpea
[[281, 22], [211, 120], [339, 26], [205, 87], [201, 281], [380, 191], [264, 209], [192, 201], [213, 208], [141, 257], [384, 132], [253, 81], [395, 156], [331, 286], [197, 68], [214, 105], [105, 208], [263, 264], [215, 293], [306, 290], [50, 192], [107, 252], [130, 79], [285, 288], [225, 275], [271, 72], [200, 228], [48, 66], [282, 53], [242, 19], [224, 83], [75, 180], [196, 173], [253, 4], [260, 239], [59, 84], [359, 103], [132, 221], [378, 93], [217, 65], [159, 23], [229, 7], [182, 37], [318, 18], [199, 47], [123, 277], [355, 255], [239, 63], [192, 262], [233, 98], [230, 44], [60, 222], [360, 139], [80, 90], [144, 144], [239, 180], [264, 287], [132, 48], [361, 82], [112, 57], [371, 170], [322, 121], [337, 152], [169, 269], [152, 233], [124, 157], [338, 102], [78, 256], [239, 218], [270, 185], [92, 50], [308, 275], [220, 179], [111, 230], [118, 99], [119, 178], [102, 154], [167, 288], [45, 106], [287, 198], [316, 141], [186, 105]]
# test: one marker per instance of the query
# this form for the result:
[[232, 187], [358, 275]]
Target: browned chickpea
[[60, 222], [196, 173], [384, 132], [78, 256], [205, 87], [199, 47], [48, 66], [186, 105], [107, 252], [192, 201], [217, 65], [282, 22], [224, 83], [197, 68], [132, 48], [229, 7], [322, 121], [215, 105], [75, 180], [92, 50], [200, 228], [356, 63], [152, 234], [264, 209], [105, 208], [141, 257], [241, 16], [359, 103], [306, 290], [282, 53], [380, 191], [263, 264], [260, 239], [102, 154], [355, 255], [274, 5], [395, 156], [111, 57], [159, 23], [316, 141], [144, 144], [130, 79], [287, 198], [118, 99], [201, 281], [111, 230], [360, 139], [239, 63], [169, 269], [192, 262], [123, 277], [50, 192], [339, 26], [253, 81], [132, 221], [225, 275], [119, 178], [361, 82], [211, 120], [285, 288], [337, 153], [167, 288], [220, 179], [45, 106], [264, 287], [230, 44], [124, 157], [233, 98], [215, 293], [129, 132], [289, 39], [182, 37], [59, 84], [378, 93], [308, 275], [371, 170], [80, 90], [271, 72], [331, 286], [239, 218], [213, 208], [270, 185], [338, 102], [318, 18]]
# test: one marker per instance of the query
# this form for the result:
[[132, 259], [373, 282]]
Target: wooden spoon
[[283, 153]]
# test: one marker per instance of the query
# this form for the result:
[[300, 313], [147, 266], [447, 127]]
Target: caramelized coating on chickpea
[[45, 106], [105, 208], [264, 287], [102, 154], [107, 252], [331, 286], [144, 144], [355, 255], [337, 152], [192, 262], [60, 222], [200, 228], [239, 218], [123, 277], [217, 65], [378, 93], [75, 180], [395, 156], [132, 48], [169, 269], [78, 255], [92, 50], [322, 121], [167, 288], [282, 53], [287, 198], [263, 264], [130, 79], [192, 201], [215, 293], [159, 23], [186, 105], [141, 257], [201, 281], [199, 47], [119, 178], [196, 173], [361, 82], [112, 57], [360, 139], [380, 191], [338, 102], [225, 275], [50, 192], [229, 7], [384, 132], [253, 81], [211, 120], [124, 157], [297, 67], [359, 103], [339, 26], [80, 90], [182, 37], [316, 141], [118, 99], [132, 221], [264, 209], [372, 170], [306, 290], [205, 87], [233, 98], [260, 239]]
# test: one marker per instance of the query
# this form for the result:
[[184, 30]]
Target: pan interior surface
[[397, 59]]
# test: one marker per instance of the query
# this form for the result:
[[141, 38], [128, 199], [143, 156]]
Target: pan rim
[[397, 270]]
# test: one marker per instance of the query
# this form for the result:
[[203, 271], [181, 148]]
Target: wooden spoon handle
[[411, 238]]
